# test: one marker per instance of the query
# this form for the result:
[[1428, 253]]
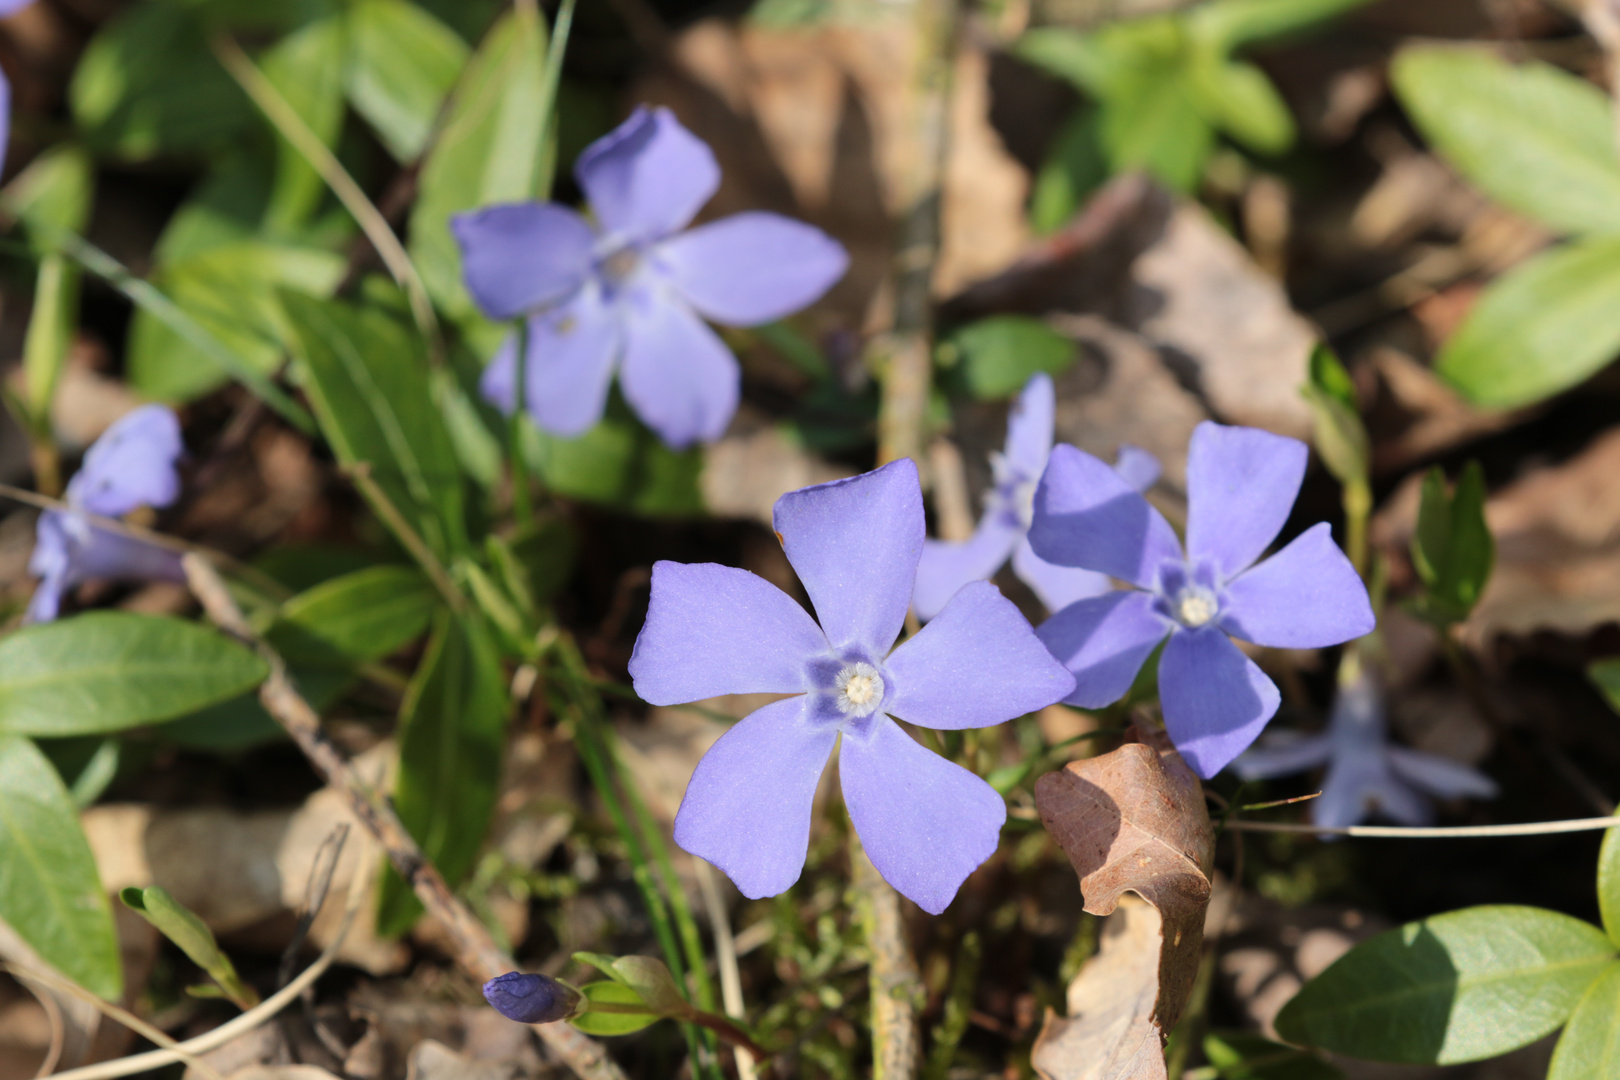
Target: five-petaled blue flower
[[1241, 484], [925, 822], [1366, 775], [131, 465], [1008, 507], [631, 290]]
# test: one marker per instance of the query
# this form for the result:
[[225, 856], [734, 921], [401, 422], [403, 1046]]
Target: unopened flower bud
[[530, 999]]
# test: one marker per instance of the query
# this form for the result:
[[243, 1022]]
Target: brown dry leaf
[[436, 1061], [1131, 820], [746, 472]]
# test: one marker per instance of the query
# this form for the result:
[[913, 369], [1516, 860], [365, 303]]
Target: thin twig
[[895, 985], [1435, 832], [725, 958], [474, 948]]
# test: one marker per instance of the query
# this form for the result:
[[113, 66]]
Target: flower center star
[[619, 266], [859, 689], [1195, 606]]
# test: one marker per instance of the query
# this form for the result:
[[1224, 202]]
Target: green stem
[[1357, 509], [522, 504], [548, 93]]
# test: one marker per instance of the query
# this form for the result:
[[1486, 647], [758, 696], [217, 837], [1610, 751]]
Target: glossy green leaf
[[357, 618], [110, 670], [608, 992], [1589, 1048], [998, 355], [488, 150], [182, 926], [1539, 329], [1226, 25], [307, 69], [648, 976], [1238, 98], [1461, 986], [405, 62], [1243, 1055], [1154, 123], [1608, 883], [452, 727], [1074, 168], [1452, 547], [367, 377], [50, 892], [1533, 137]]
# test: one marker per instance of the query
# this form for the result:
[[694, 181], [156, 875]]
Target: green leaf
[[1243, 1055], [1541, 328], [405, 62], [618, 463], [110, 670], [1340, 436], [231, 291], [1608, 883], [355, 619], [1589, 1048], [1452, 547], [1154, 123], [1606, 675], [1227, 25], [1238, 98], [488, 150], [452, 726], [1533, 137], [998, 355], [1073, 169], [50, 893], [1461, 986], [182, 926], [57, 189], [608, 992], [307, 69], [1083, 59], [367, 377]]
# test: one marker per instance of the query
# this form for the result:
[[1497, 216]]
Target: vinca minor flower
[[131, 465], [926, 823], [630, 290], [1365, 774], [530, 999], [1241, 484], [1008, 507]]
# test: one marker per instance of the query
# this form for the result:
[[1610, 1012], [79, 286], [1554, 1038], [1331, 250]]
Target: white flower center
[[860, 689], [621, 264], [1195, 606]]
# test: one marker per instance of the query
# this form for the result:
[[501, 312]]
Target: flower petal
[[747, 807], [570, 360], [1283, 757], [647, 177], [1137, 467], [1057, 586], [1241, 485], [1440, 776], [50, 562], [517, 256], [753, 268], [1086, 515], [1216, 701], [1307, 596], [945, 567], [926, 823], [1103, 642], [498, 383], [131, 465], [979, 663], [5, 95], [117, 557], [855, 545], [1356, 789], [1029, 426], [714, 630], [677, 375]]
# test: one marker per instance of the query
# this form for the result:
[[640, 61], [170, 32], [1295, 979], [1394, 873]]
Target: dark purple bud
[[530, 999]]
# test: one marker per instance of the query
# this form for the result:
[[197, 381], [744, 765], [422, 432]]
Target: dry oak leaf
[[1132, 820]]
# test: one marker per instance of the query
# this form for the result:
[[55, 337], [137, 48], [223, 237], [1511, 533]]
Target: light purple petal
[[1241, 485], [50, 562], [1440, 776], [945, 567], [752, 268], [647, 177], [676, 374], [1137, 467], [572, 350], [498, 383], [855, 545], [1057, 586], [1103, 642], [1215, 700], [1283, 757], [5, 111], [131, 465], [715, 630], [977, 664], [1356, 789], [518, 256], [1029, 426], [69, 550], [1086, 515], [11, 7], [1307, 596], [926, 823], [747, 808]]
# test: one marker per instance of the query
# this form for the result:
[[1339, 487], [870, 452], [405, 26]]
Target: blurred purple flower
[[7, 7], [131, 465], [1365, 774], [926, 822], [1008, 507], [1241, 484], [631, 290], [530, 999]]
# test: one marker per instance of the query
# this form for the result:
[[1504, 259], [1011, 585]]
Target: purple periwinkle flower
[[926, 823], [530, 999], [131, 465], [7, 7], [630, 290], [1241, 484], [1366, 775], [1008, 508]]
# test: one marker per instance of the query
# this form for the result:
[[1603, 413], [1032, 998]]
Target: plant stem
[[896, 989], [522, 504]]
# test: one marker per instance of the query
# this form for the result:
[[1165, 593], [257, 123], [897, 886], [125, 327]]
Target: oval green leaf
[[1461, 986], [110, 670], [405, 61], [607, 992], [357, 618], [1608, 881], [1589, 1048]]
